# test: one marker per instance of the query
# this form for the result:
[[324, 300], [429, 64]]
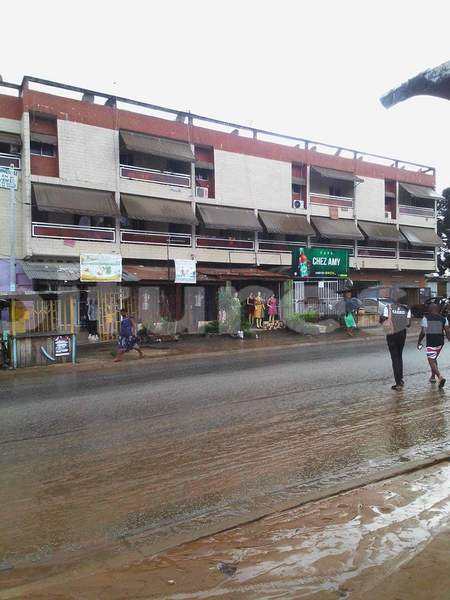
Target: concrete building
[[106, 175]]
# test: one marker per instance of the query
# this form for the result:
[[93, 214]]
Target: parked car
[[376, 305], [419, 310]]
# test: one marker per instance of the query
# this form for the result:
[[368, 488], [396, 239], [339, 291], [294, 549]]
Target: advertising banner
[[100, 267], [319, 262], [62, 345], [186, 271], [8, 178]]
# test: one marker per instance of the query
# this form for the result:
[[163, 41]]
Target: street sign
[[319, 262], [8, 178]]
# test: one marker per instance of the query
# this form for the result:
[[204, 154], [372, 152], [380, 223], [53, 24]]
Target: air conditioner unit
[[298, 204], [201, 192], [387, 214]]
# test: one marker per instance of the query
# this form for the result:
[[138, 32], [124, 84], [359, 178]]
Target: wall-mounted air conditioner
[[387, 214], [201, 192], [298, 204]]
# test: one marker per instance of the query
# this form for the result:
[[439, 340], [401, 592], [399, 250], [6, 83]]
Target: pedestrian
[[396, 319], [127, 337], [351, 305], [434, 326]]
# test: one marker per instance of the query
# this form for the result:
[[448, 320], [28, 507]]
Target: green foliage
[[310, 316], [212, 327]]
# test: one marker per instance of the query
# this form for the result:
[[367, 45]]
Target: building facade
[[99, 174]]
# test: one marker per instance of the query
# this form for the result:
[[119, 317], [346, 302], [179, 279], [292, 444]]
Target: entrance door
[[328, 296], [299, 296]]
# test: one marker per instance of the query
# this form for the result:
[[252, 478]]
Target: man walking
[[434, 325], [127, 337], [396, 319]]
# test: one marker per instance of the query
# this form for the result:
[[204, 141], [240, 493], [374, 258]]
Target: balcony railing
[[164, 177], [73, 232], [274, 246], [350, 248], [221, 243], [417, 254], [326, 200], [417, 211], [6, 160], [364, 251], [154, 238]]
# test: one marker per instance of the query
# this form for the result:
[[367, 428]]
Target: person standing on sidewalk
[[396, 319], [127, 337], [434, 326]]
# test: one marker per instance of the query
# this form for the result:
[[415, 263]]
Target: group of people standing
[[256, 307]]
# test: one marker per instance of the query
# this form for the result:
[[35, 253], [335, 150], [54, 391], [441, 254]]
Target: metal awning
[[421, 236], [290, 224], [299, 180], [342, 229], [149, 144], [223, 217], [144, 208], [135, 272], [390, 194], [204, 164], [381, 232], [44, 138], [77, 201], [419, 191], [333, 174], [10, 138], [54, 271]]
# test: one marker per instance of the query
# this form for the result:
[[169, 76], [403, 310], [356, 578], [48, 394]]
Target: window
[[335, 190], [5, 148], [41, 149]]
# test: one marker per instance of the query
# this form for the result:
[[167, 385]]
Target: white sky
[[311, 68]]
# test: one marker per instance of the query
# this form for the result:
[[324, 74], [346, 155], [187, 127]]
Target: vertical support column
[[25, 177], [193, 186], [397, 216], [72, 330], [12, 233], [12, 318]]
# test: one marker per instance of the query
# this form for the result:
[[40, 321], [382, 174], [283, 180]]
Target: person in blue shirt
[[127, 336]]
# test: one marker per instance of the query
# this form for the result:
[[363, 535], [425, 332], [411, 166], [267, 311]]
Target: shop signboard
[[319, 262], [100, 268], [8, 178], [62, 345], [186, 271]]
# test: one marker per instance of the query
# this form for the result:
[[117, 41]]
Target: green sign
[[319, 262]]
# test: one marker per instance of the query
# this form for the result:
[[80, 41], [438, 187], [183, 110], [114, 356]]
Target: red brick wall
[[44, 165]]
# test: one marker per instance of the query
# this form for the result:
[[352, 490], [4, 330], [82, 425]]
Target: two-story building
[[99, 174]]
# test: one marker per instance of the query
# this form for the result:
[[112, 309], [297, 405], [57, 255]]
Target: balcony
[[416, 211], [367, 252], [73, 232], [216, 243], [350, 248], [6, 160], [155, 176], [333, 201], [277, 246], [155, 238], [417, 254]]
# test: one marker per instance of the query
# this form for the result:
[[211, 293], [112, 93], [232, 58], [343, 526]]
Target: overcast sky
[[312, 68]]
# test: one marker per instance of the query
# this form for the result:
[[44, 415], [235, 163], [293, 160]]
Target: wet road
[[138, 457]]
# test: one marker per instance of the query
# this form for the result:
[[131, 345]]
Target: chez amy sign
[[319, 262]]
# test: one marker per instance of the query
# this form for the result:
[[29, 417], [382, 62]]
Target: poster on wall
[[62, 345], [185, 271], [100, 267], [319, 262]]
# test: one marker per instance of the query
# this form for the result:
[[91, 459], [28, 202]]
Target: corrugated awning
[[44, 138], [144, 208], [10, 138], [149, 144], [343, 229], [381, 232], [77, 201], [224, 217], [421, 236], [54, 271], [204, 274], [420, 191], [333, 174], [276, 222]]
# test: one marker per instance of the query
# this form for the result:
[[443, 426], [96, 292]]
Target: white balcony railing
[[73, 232], [327, 200], [417, 254], [223, 243], [6, 160], [155, 176], [277, 246], [155, 238], [416, 211], [366, 252]]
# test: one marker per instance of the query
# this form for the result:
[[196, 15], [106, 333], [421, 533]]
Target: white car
[[376, 305]]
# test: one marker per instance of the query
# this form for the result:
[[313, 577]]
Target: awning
[[381, 232], [299, 180], [342, 229], [204, 274], [54, 271], [419, 191], [10, 138], [333, 174], [77, 201], [149, 144], [203, 164], [44, 138], [389, 195], [144, 208], [223, 217], [421, 236], [290, 224]]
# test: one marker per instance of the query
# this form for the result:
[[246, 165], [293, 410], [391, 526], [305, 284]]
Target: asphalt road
[[148, 453]]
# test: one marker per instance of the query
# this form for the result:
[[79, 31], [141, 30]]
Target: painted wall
[[369, 199]]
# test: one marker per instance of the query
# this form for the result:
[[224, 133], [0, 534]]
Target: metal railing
[[417, 254], [155, 238], [350, 248], [278, 246], [327, 200], [364, 251], [418, 211], [222, 243], [155, 176], [73, 232], [6, 160]]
